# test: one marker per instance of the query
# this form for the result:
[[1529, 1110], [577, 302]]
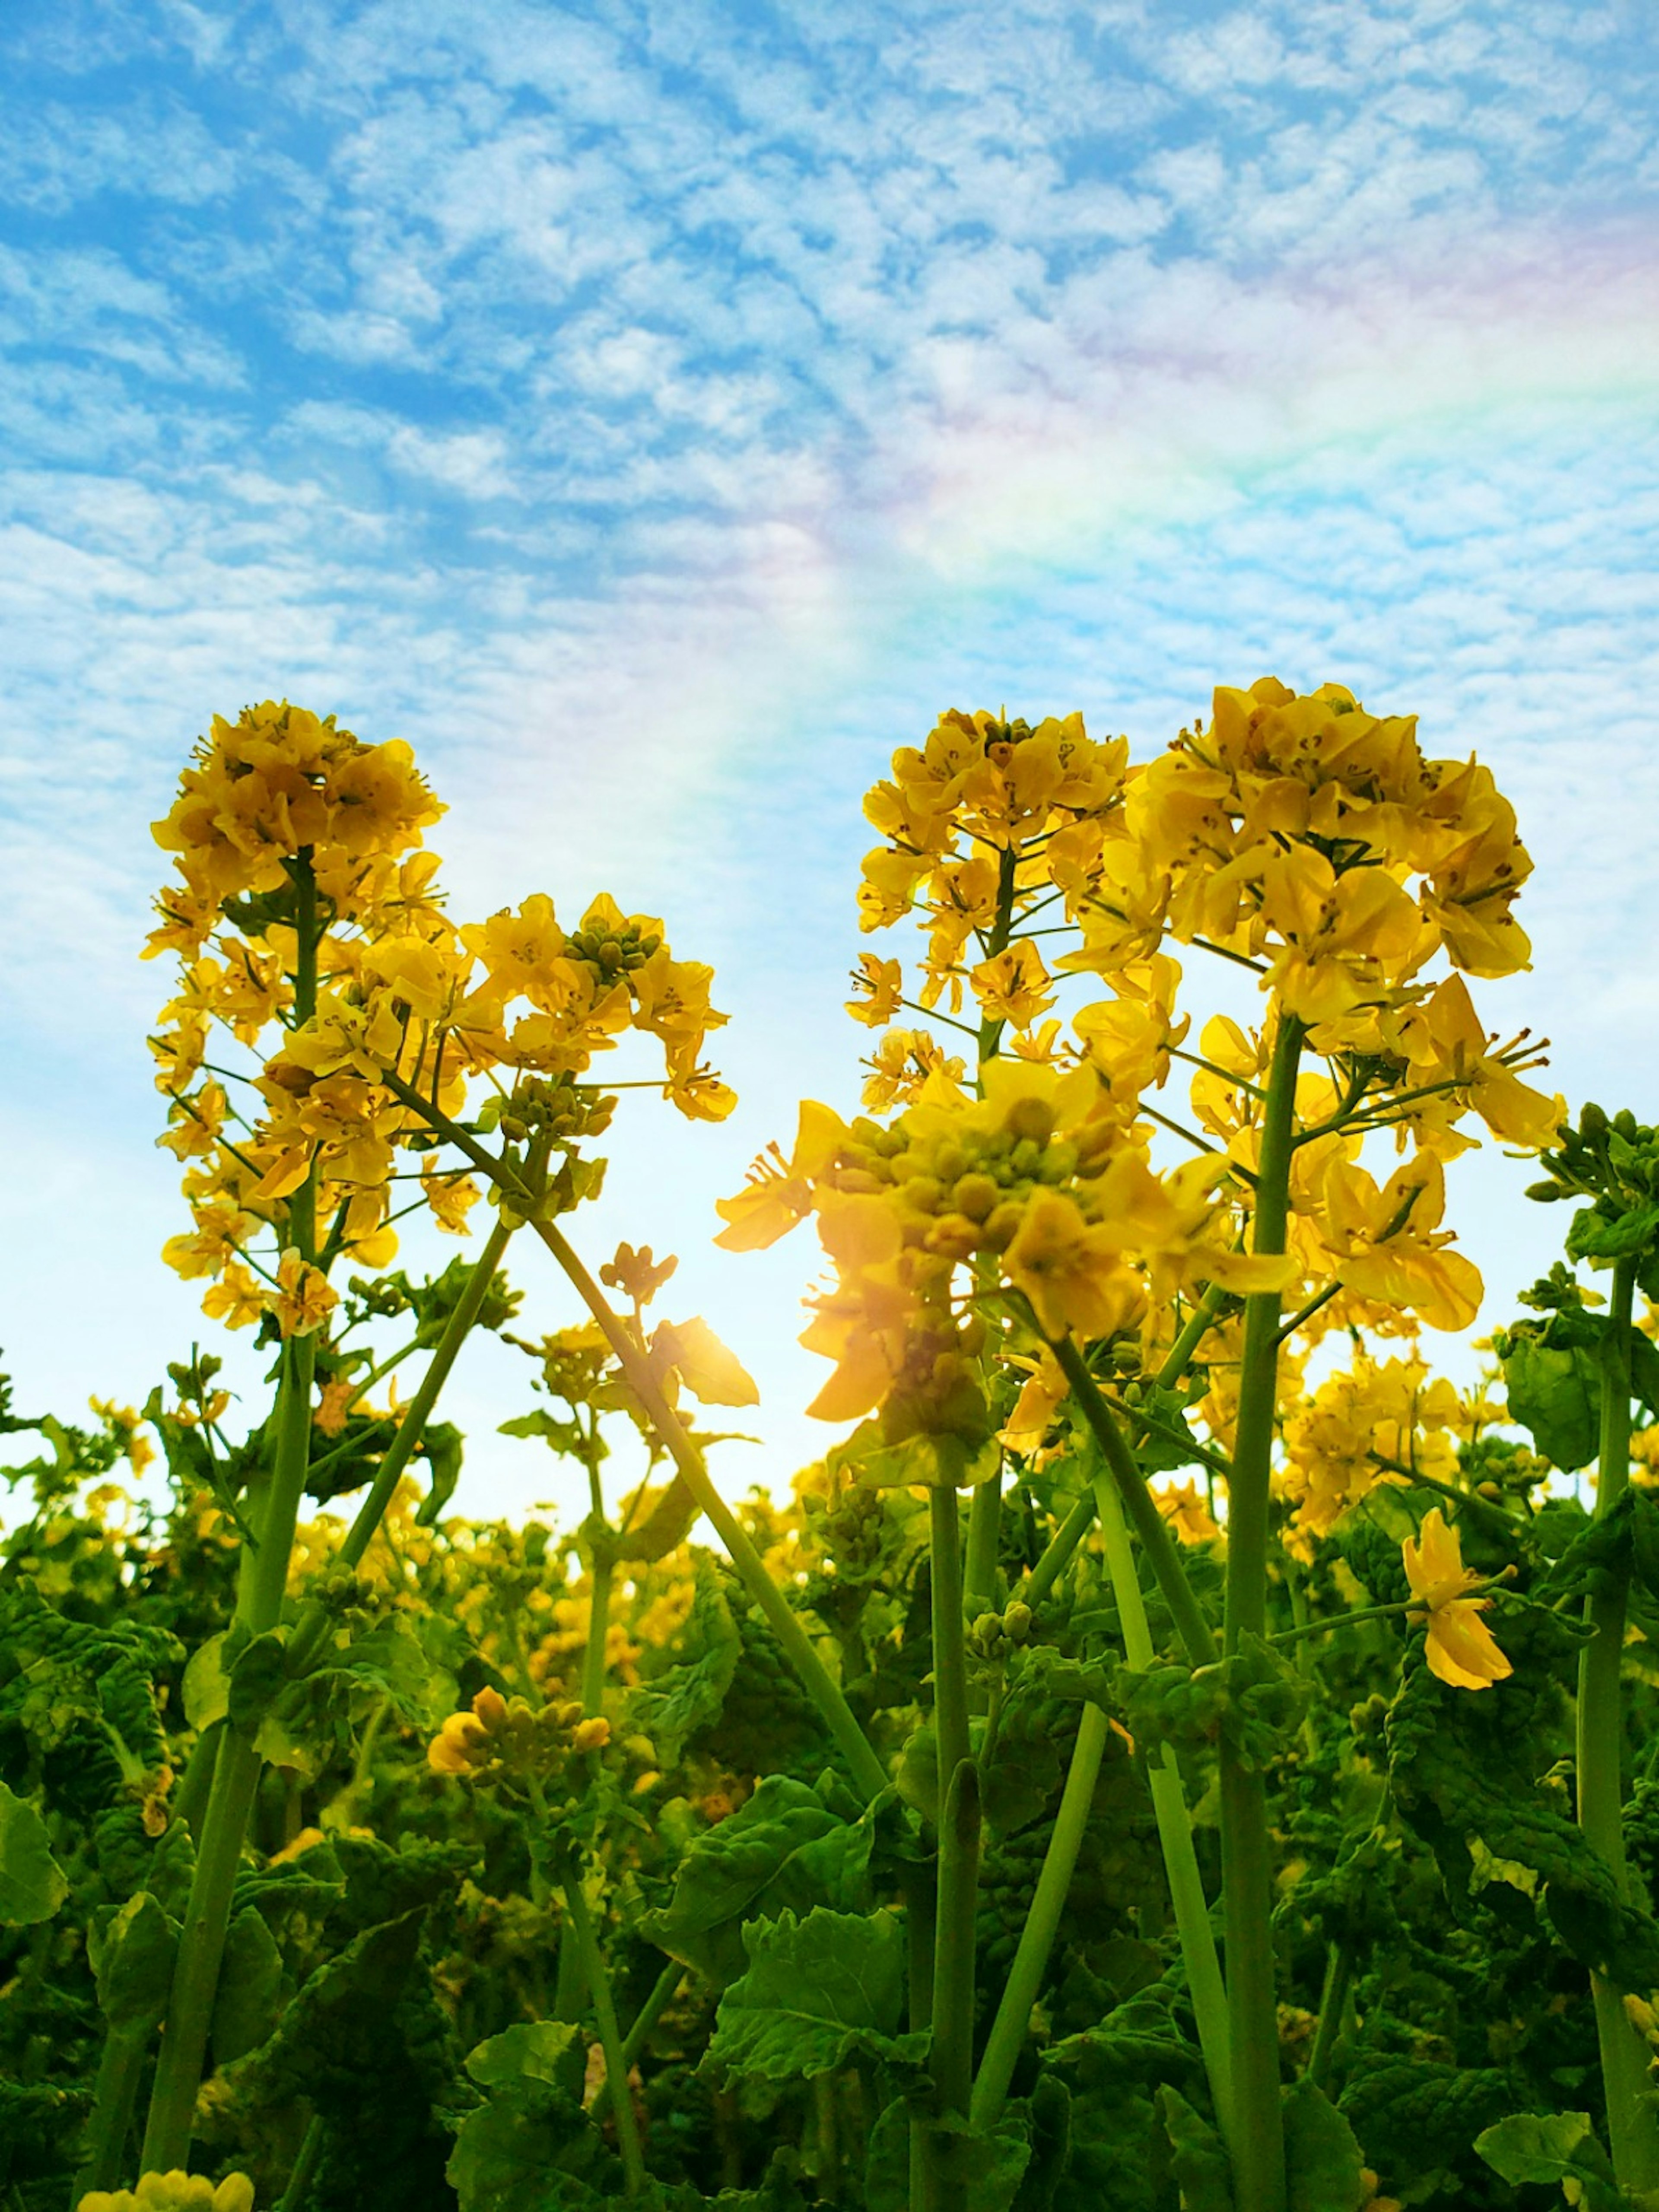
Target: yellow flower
[[881, 985], [1014, 986], [1386, 1244], [1072, 1271], [779, 1192], [713, 1374], [900, 1068], [1461, 1647], [177, 2191], [304, 1297], [1184, 1507], [450, 1198]]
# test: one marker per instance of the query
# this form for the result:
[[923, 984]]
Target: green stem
[[235, 1781], [990, 1032], [663, 1990], [1339, 1980], [1149, 1524], [1174, 1827], [984, 1536], [569, 1991], [604, 2013], [1258, 2144], [951, 2063], [305, 2167], [601, 1574], [312, 1625], [1057, 1553], [201, 1946], [1632, 2134], [1013, 2017], [1198, 1326], [867, 1771], [949, 1643], [103, 2145]]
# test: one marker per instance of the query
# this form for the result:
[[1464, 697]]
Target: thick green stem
[[819, 1684], [312, 1627], [104, 2144], [201, 1946], [1151, 1529], [1258, 2144], [953, 2058], [990, 1031], [984, 1536], [1633, 2133], [236, 1780], [611, 2042], [1014, 2019]]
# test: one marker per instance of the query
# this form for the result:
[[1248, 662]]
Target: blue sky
[[658, 413]]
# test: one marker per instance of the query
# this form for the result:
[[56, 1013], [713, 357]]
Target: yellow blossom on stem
[[880, 986], [304, 1297], [1461, 1650], [1184, 1507]]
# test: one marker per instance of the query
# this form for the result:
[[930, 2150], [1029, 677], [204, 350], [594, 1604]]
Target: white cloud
[[657, 419]]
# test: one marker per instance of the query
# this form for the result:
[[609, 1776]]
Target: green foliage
[[32, 1883], [818, 1993], [686, 1691], [1529, 2147]]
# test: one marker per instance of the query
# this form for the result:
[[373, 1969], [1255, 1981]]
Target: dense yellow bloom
[[900, 1067], [1183, 1506], [177, 2191], [1337, 1442], [1461, 1647]]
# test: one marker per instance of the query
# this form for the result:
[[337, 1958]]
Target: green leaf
[[724, 1870], [32, 1883], [1592, 1235], [1555, 2147], [818, 1993], [531, 2148], [665, 1527], [442, 1443], [1199, 2160], [689, 1693], [1556, 1394], [991, 2164], [550, 2052], [937, 1461], [134, 1964], [250, 1996], [207, 1684], [257, 1680], [1324, 2170]]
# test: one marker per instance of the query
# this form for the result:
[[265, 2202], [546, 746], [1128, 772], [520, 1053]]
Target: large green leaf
[[992, 2162], [1555, 2147], [1555, 1392], [818, 1993], [32, 1883], [133, 1960], [1324, 2170], [1198, 2158], [726, 1869]]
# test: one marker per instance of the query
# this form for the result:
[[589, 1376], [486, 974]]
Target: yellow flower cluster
[[1040, 1184], [1300, 837], [310, 931], [177, 2191], [508, 1736], [1375, 1422], [1461, 1650]]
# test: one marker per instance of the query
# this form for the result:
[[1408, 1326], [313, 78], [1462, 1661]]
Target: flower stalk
[[1632, 2128], [1258, 2138]]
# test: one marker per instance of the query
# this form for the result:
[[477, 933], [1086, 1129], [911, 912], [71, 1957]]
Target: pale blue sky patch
[[658, 413]]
